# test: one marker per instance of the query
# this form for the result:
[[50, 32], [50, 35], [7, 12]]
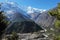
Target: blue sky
[[41, 4]]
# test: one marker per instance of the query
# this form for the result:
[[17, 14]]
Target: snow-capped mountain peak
[[32, 10]]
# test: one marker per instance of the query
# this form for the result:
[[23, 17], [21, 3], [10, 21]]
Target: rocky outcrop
[[45, 19]]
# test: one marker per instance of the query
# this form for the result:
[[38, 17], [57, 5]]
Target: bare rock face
[[43, 19]]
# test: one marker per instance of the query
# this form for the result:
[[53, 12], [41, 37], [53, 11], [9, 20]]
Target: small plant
[[14, 36]]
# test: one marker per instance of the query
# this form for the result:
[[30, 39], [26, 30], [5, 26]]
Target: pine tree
[[3, 25], [3, 22], [14, 36], [56, 13]]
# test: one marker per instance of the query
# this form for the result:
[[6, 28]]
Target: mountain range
[[20, 20], [15, 14]]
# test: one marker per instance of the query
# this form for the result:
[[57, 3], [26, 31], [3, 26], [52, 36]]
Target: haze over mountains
[[20, 20], [40, 16]]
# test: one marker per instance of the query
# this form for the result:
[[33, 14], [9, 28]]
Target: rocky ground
[[29, 36]]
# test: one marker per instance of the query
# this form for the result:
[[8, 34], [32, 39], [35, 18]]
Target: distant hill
[[23, 27]]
